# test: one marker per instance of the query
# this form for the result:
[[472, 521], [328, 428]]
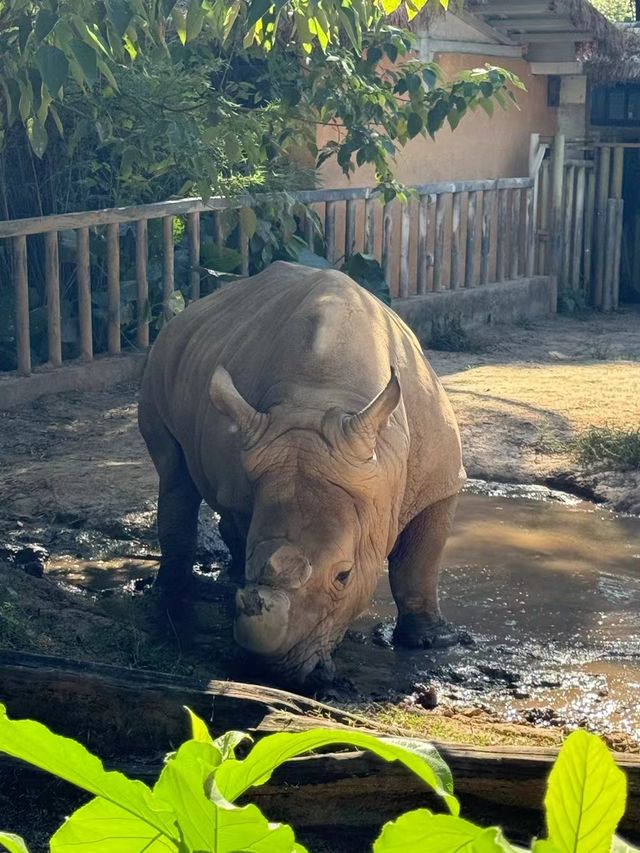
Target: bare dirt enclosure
[[547, 583]]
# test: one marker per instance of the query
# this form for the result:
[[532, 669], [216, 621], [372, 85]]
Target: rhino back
[[309, 338]]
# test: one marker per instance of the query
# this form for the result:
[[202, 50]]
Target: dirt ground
[[75, 477]]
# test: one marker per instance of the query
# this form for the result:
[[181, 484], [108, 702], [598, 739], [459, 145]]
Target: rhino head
[[325, 511]]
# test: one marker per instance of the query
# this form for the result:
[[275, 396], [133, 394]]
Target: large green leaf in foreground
[[423, 830]]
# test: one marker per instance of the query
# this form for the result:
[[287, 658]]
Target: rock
[[30, 558], [426, 696]]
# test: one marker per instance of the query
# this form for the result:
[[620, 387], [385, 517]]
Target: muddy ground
[[76, 480]]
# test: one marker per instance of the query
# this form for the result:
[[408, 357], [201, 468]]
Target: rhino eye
[[343, 577]]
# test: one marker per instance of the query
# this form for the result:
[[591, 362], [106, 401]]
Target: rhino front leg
[[233, 530], [414, 566]]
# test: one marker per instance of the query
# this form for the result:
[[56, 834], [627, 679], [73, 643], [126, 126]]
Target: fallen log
[[131, 718]]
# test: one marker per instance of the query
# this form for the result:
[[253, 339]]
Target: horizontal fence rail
[[448, 236]]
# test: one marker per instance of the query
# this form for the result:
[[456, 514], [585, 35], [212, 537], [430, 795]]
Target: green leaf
[[180, 23], [26, 99], [235, 777], [227, 743], [414, 124], [45, 22], [586, 796], [99, 826], [195, 19], [35, 744], [54, 67], [247, 830], [13, 843], [248, 220], [120, 15], [38, 140], [423, 830], [257, 10], [619, 845], [87, 59], [199, 730]]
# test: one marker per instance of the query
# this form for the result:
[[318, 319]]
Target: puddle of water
[[548, 585]]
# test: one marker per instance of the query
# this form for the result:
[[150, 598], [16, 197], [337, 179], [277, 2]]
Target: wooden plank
[[557, 194], [218, 229], [21, 291], [470, 253], [142, 284], [604, 168], [455, 240], [168, 267], [502, 253], [485, 240], [182, 207], [589, 215], [350, 229], [387, 234], [514, 268], [617, 173], [423, 249], [432, 203], [609, 253], [83, 272], [370, 226], [438, 252], [330, 230], [193, 233], [615, 290], [567, 223], [113, 288], [542, 226], [405, 235], [578, 229], [530, 232], [52, 279]]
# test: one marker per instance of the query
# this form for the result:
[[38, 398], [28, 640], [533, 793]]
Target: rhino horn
[[287, 567], [362, 429], [230, 402]]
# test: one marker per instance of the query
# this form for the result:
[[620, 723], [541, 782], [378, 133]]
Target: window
[[616, 105]]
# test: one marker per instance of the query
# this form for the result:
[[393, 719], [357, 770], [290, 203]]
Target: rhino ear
[[230, 402], [362, 429]]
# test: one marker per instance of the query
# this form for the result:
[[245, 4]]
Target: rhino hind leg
[[414, 566]]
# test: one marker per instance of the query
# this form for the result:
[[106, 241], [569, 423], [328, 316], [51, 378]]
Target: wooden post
[[432, 203], [610, 254], [604, 167], [387, 231], [635, 275], [618, 172], [502, 236], [515, 233], [544, 241], [218, 228], [113, 287], [530, 230], [83, 271], [244, 251], [578, 228], [567, 225], [423, 231], [309, 230], [534, 145], [330, 230], [589, 215], [405, 236], [557, 192], [485, 240], [370, 226], [438, 251], [21, 291], [455, 240], [142, 282], [168, 276], [193, 230], [52, 278], [350, 229], [615, 291], [470, 253]]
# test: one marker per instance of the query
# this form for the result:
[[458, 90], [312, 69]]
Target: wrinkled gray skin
[[303, 411]]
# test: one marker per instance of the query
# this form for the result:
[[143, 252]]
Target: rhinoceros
[[303, 411]]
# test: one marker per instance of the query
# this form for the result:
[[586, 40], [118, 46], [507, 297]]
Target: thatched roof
[[622, 65]]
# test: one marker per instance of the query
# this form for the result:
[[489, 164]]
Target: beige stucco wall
[[481, 147]]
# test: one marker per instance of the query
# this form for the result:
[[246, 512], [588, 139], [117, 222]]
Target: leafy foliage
[[191, 808], [616, 10], [366, 270]]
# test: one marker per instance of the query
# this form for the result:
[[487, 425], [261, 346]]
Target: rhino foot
[[420, 632]]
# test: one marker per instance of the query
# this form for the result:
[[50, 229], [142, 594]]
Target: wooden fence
[[450, 235]]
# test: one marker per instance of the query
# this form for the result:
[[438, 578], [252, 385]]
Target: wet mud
[[548, 587]]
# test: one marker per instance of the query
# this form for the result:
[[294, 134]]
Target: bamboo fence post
[[405, 235], [456, 200], [544, 242], [515, 234], [618, 171], [423, 222], [578, 228], [485, 239], [470, 252], [438, 251], [113, 288], [350, 229], [503, 237], [21, 292], [83, 268], [557, 192], [432, 204], [604, 167], [588, 234], [52, 279], [168, 270], [142, 283], [218, 228], [615, 292], [193, 230], [530, 230], [370, 226], [387, 231], [330, 230], [610, 252], [569, 214]]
